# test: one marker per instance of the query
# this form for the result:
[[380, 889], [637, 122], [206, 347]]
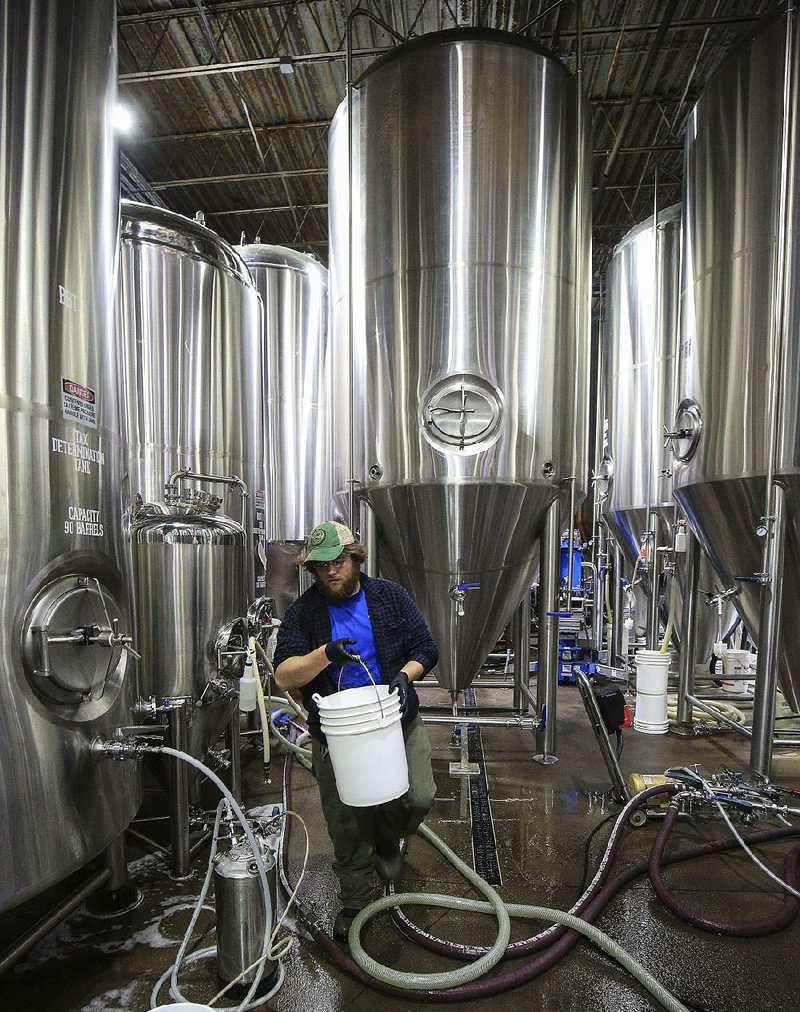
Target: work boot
[[341, 926], [389, 861]]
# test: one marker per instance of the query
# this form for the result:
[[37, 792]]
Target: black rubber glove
[[400, 682], [337, 653]]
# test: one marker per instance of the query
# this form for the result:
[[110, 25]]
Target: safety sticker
[[78, 403]]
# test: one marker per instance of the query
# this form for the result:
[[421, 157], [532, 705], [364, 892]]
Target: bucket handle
[[318, 699]]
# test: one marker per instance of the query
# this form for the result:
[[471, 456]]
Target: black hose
[[742, 929]]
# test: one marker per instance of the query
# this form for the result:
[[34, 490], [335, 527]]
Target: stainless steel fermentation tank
[[65, 676], [642, 327], [470, 249], [189, 329], [296, 430], [740, 321]]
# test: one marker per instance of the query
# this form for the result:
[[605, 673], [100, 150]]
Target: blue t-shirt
[[350, 618]]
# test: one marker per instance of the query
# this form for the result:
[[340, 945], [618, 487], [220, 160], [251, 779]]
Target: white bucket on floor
[[369, 760], [652, 672], [736, 668]]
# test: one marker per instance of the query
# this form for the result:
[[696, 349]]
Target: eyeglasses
[[320, 567]]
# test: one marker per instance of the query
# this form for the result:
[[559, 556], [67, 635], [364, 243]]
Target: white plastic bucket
[[369, 760], [350, 702], [736, 665], [652, 672], [184, 1006], [336, 720]]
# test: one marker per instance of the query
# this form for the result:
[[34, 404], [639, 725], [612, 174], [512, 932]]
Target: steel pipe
[[769, 640], [526, 723], [178, 738], [26, 942], [522, 648], [547, 680], [688, 636]]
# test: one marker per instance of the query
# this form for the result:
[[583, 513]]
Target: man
[[344, 618]]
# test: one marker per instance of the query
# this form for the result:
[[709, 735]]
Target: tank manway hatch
[[72, 644]]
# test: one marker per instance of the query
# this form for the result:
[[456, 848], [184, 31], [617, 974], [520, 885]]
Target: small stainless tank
[[189, 565], [241, 918]]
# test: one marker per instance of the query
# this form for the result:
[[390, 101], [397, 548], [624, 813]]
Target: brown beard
[[348, 587]]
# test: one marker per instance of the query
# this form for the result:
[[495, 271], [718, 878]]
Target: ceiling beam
[[191, 11], [239, 177], [273, 209], [306, 59], [225, 132], [253, 177]]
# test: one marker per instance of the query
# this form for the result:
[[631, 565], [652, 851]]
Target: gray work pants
[[355, 832]]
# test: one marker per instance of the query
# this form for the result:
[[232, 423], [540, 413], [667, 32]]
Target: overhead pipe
[[652, 56], [579, 266]]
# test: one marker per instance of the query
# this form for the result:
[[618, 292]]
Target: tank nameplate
[[462, 413]]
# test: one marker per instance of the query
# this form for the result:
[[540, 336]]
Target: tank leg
[[178, 737], [547, 682], [769, 623], [521, 632], [119, 894], [683, 727]]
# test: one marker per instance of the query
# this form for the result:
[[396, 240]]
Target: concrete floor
[[542, 817]]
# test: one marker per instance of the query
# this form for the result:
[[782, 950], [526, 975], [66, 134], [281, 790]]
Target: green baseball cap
[[327, 541]]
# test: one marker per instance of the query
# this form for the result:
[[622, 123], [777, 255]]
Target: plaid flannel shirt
[[399, 630]]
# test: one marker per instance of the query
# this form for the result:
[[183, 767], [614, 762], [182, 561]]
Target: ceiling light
[[123, 118], [286, 64]]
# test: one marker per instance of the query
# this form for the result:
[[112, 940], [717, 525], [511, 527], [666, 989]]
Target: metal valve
[[458, 593]]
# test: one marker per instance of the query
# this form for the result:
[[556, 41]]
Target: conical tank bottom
[[627, 526], [435, 538], [725, 514]]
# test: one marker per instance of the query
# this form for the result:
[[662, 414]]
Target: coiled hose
[[556, 940]]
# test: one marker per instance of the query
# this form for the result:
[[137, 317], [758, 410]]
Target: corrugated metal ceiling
[[222, 129]]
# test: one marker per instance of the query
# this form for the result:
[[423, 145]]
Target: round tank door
[[73, 648]]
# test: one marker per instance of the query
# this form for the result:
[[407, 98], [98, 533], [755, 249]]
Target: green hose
[[503, 911]]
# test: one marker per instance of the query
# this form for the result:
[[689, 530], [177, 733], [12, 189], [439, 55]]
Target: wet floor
[[530, 828]]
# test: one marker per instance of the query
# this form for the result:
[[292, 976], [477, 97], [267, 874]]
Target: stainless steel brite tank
[[733, 230], [190, 579], [642, 326], [296, 447], [64, 677], [469, 358], [189, 326]]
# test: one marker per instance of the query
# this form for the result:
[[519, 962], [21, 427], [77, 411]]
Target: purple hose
[[743, 929]]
